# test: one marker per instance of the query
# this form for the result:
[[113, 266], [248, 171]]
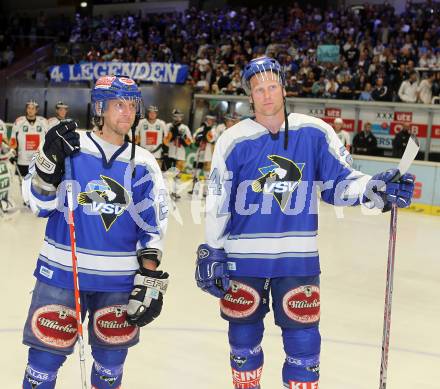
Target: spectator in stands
[[308, 84], [436, 85], [346, 88], [351, 52], [366, 93], [408, 89], [331, 88], [401, 140], [380, 91], [293, 88], [360, 80], [318, 87], [398, 75], [424, 90], [364, 142]]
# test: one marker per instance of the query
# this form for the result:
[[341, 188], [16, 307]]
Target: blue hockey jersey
[[115, 215], [263, 200]]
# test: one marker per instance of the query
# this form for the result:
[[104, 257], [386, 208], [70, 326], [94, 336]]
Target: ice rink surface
[[186, 347]]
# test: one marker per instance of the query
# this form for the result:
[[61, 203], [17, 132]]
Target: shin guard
[[107, 368], [246, 354], [301, 367], [41, 371]]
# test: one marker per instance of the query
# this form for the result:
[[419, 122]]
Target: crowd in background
[[381, 52]]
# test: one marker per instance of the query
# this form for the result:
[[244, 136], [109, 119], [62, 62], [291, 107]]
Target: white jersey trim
[[89, 261], [290, 244]]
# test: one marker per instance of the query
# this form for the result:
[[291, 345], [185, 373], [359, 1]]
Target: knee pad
[[247, 356], [301, 367], [42, 369], [107, 368]]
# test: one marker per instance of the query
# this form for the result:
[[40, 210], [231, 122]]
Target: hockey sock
[[41, 371], [107, 368], [301, 367], [246, 354]]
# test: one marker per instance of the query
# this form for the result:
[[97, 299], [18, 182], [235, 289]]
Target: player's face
[[31, 111], [152, 116], [119, 116], [229, 123], [177, 119], [62, 113], [267, 96], [337, 127]]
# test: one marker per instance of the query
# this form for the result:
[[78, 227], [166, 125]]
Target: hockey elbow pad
[[212, 274]]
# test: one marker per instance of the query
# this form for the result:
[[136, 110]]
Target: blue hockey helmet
[[115, 88], [265, 68]]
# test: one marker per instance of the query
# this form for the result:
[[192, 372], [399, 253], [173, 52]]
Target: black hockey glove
[[146, 299], [199, 138], [174, 132], [59, 142]]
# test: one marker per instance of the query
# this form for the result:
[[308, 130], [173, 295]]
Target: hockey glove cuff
[[146, 299], [212, 274]]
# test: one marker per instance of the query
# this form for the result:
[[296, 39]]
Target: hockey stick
[[408, 157], [195, 172], [69, 189]]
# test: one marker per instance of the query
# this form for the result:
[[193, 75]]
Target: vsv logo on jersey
[[280, 179], [106, 198]]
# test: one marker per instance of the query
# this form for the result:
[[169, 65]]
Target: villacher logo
[[280, 179]]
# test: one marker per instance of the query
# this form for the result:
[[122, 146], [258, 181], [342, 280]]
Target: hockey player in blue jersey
[[261, 225], [120, 217]]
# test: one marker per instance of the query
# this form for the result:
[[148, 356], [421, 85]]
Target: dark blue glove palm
[[212, 275], [387, 188]]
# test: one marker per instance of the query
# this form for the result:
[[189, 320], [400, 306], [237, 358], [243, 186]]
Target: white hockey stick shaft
[[82, 360]]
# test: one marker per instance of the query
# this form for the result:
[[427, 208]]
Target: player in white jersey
[[343, 135], [150, 133], [177, 137], [61, 111], [262, 220], [27, 134], [204, 138], [230, 120]]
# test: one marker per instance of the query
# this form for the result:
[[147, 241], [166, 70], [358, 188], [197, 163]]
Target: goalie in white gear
[[5, 175], [150, 133]]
